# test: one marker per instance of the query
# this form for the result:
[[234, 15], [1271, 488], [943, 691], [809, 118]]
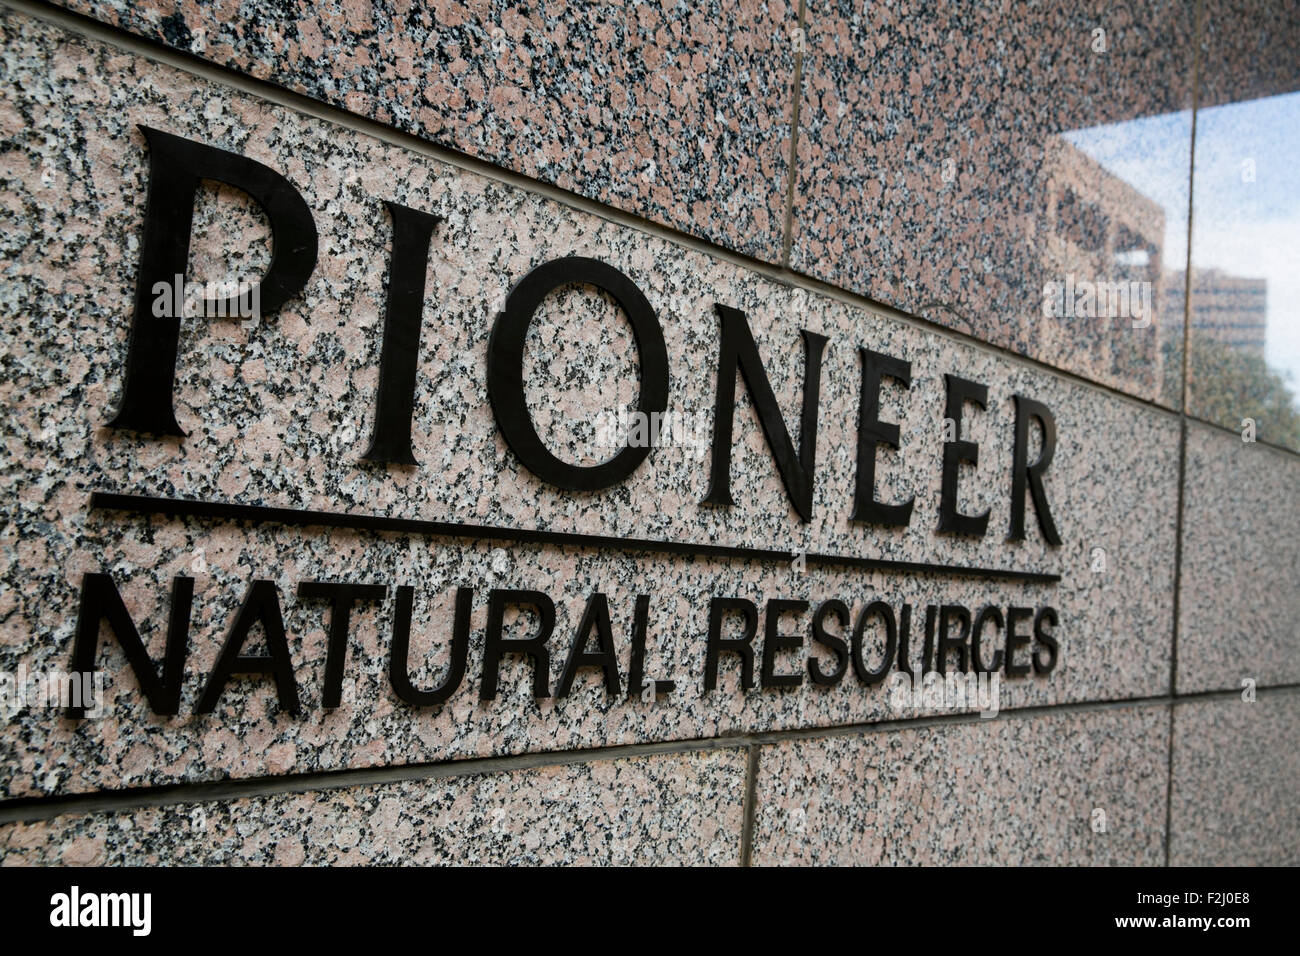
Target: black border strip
[[303, 518]]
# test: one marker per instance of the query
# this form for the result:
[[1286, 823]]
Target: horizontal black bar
[[303, 518]]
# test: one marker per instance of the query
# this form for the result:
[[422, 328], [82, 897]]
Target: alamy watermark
[[133, 911], [51, 689], [230, 299], [1086, 299], [955, 691], [632, 428]]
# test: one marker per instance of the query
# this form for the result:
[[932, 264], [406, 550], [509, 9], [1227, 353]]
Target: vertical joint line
[[751, 794], [1198, 39], [787, 240], [1198, 34], [1169, 785]]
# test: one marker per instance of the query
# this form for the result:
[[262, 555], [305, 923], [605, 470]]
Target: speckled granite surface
[[1248, 51], [668, 809], [1236, 776], [1240, 613], [279, 414], [953, 159], [950, 163], [1014, 790], [676, 112]]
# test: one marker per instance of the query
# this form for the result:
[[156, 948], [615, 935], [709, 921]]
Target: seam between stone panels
[[1169, 786], [1169, 783], [26, 809], [1197, 37], [338, 116], [1233, 693], [1281, 450], [1198, 33], [796, 95], [42, 807], [751, 809]]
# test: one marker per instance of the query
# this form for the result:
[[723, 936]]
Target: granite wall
[[883, 178]]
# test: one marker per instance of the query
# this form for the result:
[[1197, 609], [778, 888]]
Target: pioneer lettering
[[802, 642], [178, 166]]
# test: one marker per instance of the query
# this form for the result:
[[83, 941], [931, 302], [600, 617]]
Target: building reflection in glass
[[1116, 219]]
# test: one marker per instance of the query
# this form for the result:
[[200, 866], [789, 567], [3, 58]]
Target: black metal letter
[[741, 645], [872, 433], [958, 452], [958, 643], [341, 596], [836, 643], [595, 616], [886, 614], [1016, 640], [395, 399], [1047, 639], [737, 351], [774, 642], [1032, 475], [494, 645], [399, 664], [176, 168], [100, 599], [989, 613], [261, 604], [505, 371]]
